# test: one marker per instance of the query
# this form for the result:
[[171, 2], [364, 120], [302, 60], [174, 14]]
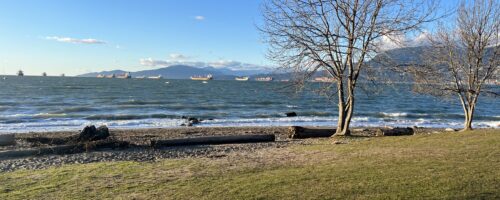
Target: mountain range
[[396, 56], [185, 72]]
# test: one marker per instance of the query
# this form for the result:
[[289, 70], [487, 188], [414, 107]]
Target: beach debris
[[360, 130], [91, 133], [211, 140], [48, 140], [395, 131], [7, 139], [338, 142], [291, 114], [298, 132], [450, 130], [64, 149]]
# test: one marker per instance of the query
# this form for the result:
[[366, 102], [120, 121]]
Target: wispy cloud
[[178, 56], [199, 18], [75, 40]]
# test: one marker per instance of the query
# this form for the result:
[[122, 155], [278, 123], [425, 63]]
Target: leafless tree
[[464, 56], [337, 37]]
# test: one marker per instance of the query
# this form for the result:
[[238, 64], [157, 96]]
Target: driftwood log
[[7, 139], [298, 132], [229, 139], [395, 132], [63, 149]]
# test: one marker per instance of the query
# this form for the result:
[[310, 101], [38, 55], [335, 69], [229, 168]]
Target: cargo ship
[[268, 78], [125, 76], [202, 78], [324, 79], [241, 78], [155, 77]]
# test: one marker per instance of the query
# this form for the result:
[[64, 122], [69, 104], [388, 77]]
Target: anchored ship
[[202, 78], [268, 78], [125, 76], [20, 73], [241, 78], [324, 79], [155, 77], [44, 74]]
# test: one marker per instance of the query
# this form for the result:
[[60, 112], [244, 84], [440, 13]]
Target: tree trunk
[[346, 109], [342, 106], [469, 115]]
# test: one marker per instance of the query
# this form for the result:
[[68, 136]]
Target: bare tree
[[337, 37], [464, 56]]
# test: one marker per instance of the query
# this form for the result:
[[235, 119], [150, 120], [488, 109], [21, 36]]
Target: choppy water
[[55, 103]]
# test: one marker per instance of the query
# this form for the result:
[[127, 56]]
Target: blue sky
[[75, 37], [50, 35]]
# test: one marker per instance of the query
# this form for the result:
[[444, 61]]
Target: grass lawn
[[438, 166]]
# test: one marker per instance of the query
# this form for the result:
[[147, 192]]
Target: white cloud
[[178, 56], [150, 62], [75, 40], [199, 18], [393, 41]]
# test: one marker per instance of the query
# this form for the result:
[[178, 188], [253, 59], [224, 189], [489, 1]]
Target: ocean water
[[35, 104]]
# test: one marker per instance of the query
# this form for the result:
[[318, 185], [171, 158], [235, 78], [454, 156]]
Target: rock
[[450, 130], [90, 133], [193, 120], [291, 114], [338, 142]]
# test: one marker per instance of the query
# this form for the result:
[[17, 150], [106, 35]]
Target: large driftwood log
[[63, 149], [7, 139], [298, 132], [395, 132], [230, 139]]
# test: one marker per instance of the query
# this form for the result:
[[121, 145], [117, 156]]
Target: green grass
[[438, 166]]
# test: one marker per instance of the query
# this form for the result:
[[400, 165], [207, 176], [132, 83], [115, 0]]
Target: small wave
[[397, 114], [49, 115], [488, 124], [74, 109], [128, 117], [141, 102]]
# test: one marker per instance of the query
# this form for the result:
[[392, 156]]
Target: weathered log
[[298, 132], [7, 139], [395, 132], [207, 140], [48, 140], [63, 149]]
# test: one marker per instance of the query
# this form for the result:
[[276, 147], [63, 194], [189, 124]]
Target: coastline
[[143, 137]]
